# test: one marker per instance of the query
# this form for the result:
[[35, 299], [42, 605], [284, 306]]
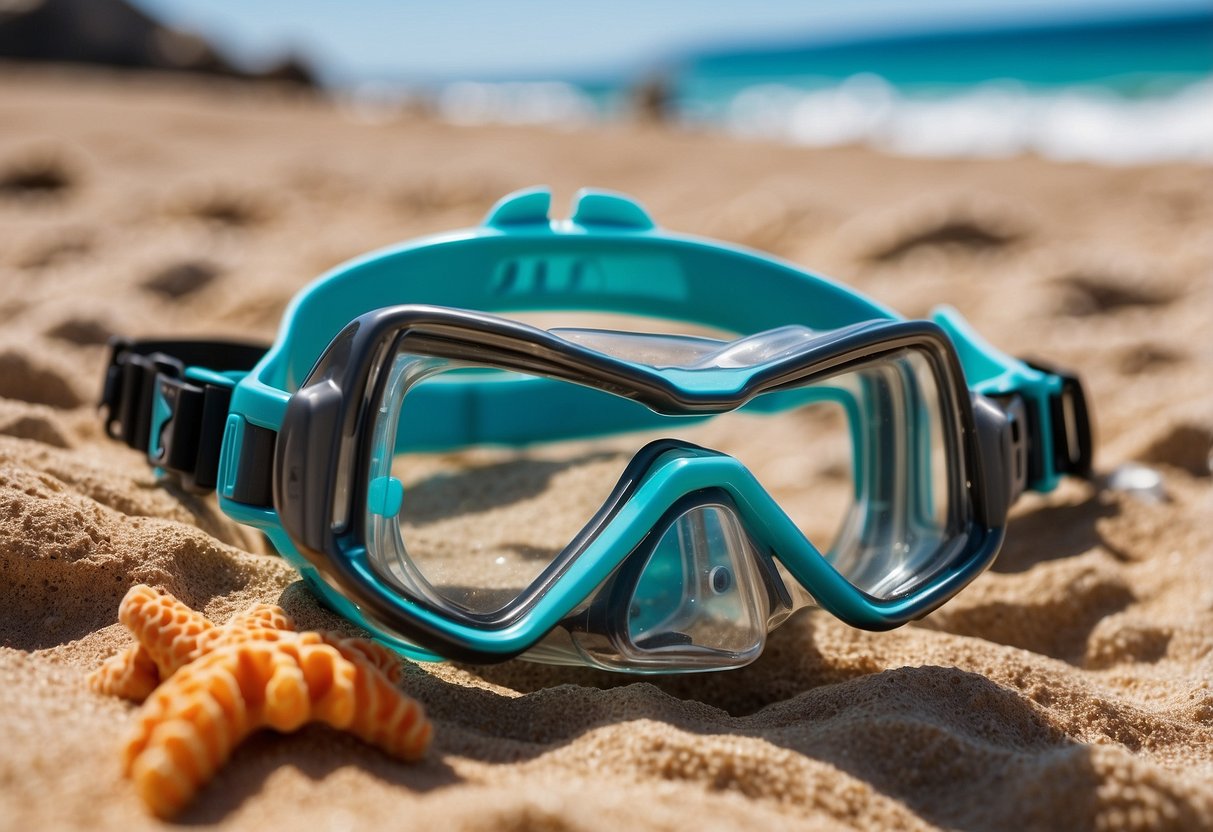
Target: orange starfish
[[208, 687]]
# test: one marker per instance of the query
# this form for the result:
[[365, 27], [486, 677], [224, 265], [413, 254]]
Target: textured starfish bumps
[[208, 687]]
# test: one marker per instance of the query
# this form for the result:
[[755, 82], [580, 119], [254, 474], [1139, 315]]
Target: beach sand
[[1067, 688]]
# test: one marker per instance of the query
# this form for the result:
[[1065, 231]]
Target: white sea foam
[[992, 120], [538, 102], [996, 119]]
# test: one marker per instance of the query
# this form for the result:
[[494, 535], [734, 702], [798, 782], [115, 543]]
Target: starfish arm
[[384, 715], [130, 674], [288, 703], [378, 655], [167, 628], [191, 725], [330, 679], [160, 781], [351, 693]]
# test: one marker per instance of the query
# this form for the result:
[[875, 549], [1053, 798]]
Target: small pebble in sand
[[1139, 481]]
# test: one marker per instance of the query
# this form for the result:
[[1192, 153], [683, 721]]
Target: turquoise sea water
[[1121, 91], [1130, 55]]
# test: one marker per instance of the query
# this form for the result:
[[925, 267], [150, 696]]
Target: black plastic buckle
[[1073, 443], [111, 390], [144, 375], [191, 437], [130, 382]]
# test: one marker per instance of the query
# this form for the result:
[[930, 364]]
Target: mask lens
[[798, 445], [910, 509], [477, 524], [465, 507]]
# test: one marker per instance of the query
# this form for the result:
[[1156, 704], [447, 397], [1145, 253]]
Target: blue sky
[[397, 40]]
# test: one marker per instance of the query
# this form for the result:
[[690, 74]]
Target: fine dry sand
[[1067, 688]]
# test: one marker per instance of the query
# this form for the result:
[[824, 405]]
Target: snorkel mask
[[467, 486]]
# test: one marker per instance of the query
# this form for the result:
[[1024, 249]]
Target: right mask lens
[[910, 509]]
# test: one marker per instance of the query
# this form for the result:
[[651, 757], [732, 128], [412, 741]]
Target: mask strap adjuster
[[1073, 446], [152, 403], [1069, 421]]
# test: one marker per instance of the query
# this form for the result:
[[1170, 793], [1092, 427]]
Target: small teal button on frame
[[384, 496], [229, 454]]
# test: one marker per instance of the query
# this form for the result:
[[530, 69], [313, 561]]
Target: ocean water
[[1122, 91]]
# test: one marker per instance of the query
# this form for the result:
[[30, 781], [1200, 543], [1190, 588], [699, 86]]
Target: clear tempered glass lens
[[465, 508]]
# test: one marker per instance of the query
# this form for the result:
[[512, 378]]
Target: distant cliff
[[115, 33]]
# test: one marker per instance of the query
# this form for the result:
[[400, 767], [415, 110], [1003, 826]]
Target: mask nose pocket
[[700, 592]]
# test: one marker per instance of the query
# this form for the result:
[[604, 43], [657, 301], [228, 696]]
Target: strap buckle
[[112, 388], [1070, 418], [151, 406], [187, 429], [126, 397]]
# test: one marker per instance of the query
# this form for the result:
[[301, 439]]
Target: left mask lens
[[459, 508]]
